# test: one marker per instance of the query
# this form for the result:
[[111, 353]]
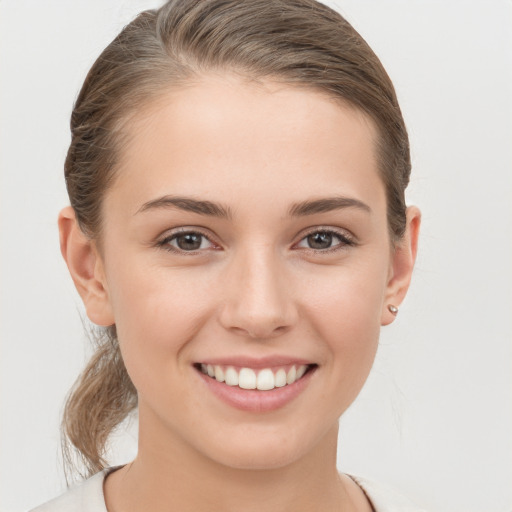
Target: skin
[[254, 288]]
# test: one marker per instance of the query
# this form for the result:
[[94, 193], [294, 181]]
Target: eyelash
[[165, 242], [344, 239]]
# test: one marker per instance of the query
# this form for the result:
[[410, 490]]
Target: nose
[[258, 298]]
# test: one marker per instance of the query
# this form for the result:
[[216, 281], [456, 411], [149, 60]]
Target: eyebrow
[[188, 204], [210, 208], [327, 204]]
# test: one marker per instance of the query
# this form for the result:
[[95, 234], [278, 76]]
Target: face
[[246, 235]]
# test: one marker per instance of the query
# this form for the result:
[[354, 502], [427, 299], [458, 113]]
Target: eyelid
[[168, 235], [346, 237]]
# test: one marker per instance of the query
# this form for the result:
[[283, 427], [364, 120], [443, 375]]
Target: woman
[[238, 226]]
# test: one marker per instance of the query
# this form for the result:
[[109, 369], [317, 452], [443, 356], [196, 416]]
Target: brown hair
[[298, 42]]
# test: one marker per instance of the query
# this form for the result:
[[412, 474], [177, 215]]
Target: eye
[[186, 241], [323, 240]]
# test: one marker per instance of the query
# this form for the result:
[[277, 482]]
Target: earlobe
[[402, 265], [86, 268]]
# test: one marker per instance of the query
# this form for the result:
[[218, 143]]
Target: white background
[[435, 418]]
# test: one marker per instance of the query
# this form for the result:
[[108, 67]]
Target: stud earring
[[393, 309]]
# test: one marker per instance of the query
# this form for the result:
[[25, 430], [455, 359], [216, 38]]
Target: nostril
[[264, 331]]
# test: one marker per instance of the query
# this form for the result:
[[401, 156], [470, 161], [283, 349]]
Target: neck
[[168, 475]]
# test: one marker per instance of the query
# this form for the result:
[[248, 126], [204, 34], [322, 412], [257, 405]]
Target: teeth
[[247, 378], [301, 370], [280, 379], [231, 377], [265, 380], [219, 374]]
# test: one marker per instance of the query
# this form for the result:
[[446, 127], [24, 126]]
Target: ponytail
[[101, 398]]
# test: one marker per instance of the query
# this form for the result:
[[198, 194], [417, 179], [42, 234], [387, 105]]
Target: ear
[[86, 268], [402, 264]]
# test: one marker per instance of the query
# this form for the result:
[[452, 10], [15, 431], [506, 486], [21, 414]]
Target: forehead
[[227, 136]]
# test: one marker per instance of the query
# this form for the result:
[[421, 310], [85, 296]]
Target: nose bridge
[[258, 302]]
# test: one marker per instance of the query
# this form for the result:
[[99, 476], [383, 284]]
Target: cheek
[[344, 308], [157, 312]]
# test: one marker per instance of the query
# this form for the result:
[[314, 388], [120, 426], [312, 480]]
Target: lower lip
[[254, 400]]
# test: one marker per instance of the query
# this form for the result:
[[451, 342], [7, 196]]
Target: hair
[[297, 42]]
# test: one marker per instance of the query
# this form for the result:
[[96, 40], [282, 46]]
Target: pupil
[[189, 242], [320, 240]]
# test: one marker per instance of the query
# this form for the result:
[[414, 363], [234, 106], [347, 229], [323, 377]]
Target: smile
[[256, 385], [262, 379]]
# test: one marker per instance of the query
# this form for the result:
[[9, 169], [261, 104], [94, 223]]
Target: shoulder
[[86, 496], [384, 499]]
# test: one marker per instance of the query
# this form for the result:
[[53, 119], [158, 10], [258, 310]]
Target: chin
[[257, 459], [262, 450]]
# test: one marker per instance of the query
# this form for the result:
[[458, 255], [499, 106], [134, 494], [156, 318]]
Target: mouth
[[256, 385], [261, 379]]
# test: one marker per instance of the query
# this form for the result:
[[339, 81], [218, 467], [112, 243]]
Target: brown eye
[[325, 240], [187, 242], [320, 240]]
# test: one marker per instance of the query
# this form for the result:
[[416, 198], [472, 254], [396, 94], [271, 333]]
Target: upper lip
[[255, 362]]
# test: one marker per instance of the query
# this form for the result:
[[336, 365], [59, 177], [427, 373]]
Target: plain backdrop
[[435, 417]]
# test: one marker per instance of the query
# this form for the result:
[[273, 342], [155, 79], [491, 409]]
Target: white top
[[88, 496]]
